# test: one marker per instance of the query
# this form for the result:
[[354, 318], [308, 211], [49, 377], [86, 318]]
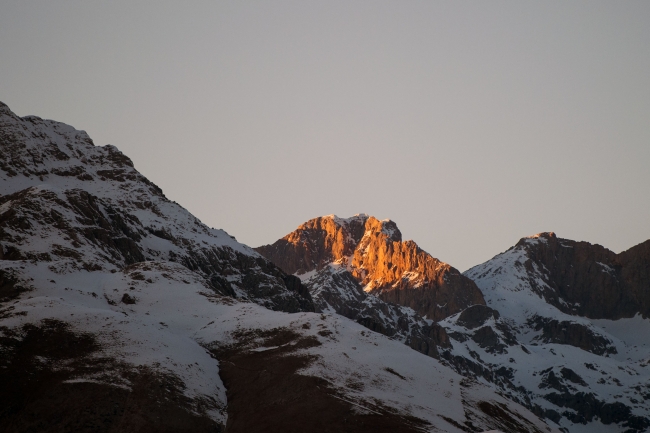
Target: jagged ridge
[[374, 253]]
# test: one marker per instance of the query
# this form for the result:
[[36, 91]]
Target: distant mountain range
[[120, 311]]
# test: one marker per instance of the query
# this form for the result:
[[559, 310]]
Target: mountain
[[121, 312], [373, 252], [360, 268], [576, 313], [65, 198], [558, 326], [582, 279]]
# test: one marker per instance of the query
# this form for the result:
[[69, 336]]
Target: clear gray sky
[[470, 124]]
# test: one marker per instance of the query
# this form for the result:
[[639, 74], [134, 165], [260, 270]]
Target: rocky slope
[[570, 337], [588, 280], [65, 198], [374, 254], [335, 290], [121, 312]]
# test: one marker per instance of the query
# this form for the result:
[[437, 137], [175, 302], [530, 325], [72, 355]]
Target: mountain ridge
[[616, 280]]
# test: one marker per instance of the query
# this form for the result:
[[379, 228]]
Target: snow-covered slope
[[65, 198], [586, 374], [120, 311], [160, 322]]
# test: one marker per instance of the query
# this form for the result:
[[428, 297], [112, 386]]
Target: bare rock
[[476, 315], [397, 272], [572, 333]]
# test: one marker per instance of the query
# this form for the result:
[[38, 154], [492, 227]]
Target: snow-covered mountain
[[121, 312], [576, 316], [65, 198], [544, 336]]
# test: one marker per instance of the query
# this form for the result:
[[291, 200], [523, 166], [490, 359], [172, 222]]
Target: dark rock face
[[572, 376], [10, 286], [429, 340], [484, 326], [574, 334], [128, 299], [437, 299], [585, 407], [551, 380], [476, 315], [336, 290], [395, 271], [486, 337], [590, 280], [635, 272]]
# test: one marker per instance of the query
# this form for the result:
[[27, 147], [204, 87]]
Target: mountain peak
[[545, 235], [373, 252], [327, 239]]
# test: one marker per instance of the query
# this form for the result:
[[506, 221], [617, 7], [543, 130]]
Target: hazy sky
[[470, 124]]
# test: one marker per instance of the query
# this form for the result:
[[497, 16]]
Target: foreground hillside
[[120, 312]]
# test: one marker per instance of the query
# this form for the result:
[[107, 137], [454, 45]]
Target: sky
[[470, 124]]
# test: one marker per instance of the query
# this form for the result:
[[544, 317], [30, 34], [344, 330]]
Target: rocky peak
[[578, 278], [384, 228], [543, 236], [373, 252], [324, 240]]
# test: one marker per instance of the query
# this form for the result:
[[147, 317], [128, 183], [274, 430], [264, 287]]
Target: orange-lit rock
[[374, 253]]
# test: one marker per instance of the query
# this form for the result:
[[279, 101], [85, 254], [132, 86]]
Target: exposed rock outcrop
[[572, 333], [316, 243], [635, 273], [476, 315]]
